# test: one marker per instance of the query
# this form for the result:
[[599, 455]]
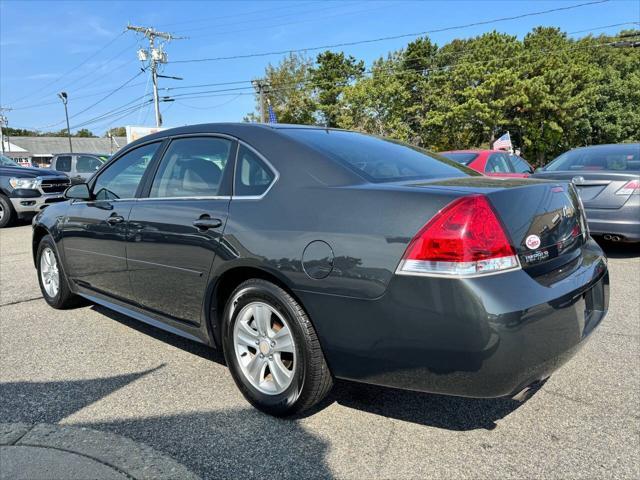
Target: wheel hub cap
[[264, 348]]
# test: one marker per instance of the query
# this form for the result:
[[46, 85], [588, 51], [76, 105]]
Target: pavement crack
[[18, 302], [22, 436]]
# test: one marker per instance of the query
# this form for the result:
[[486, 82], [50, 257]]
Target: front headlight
[[28, 183]]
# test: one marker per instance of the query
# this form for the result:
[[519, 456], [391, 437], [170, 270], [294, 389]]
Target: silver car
[[608, 180], [78, 166]]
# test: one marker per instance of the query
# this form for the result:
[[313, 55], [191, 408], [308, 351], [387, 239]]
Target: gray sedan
[[608, 180]]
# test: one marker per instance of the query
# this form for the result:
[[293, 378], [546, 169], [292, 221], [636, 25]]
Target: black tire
[[64, 298], [8, 213], [312, 379]]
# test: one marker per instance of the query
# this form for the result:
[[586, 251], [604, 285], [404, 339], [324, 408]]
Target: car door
[[84, 167], [94, 232], [175, 230]]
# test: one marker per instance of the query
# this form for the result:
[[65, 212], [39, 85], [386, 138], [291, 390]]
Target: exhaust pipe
[[613, 238], [607, 237]]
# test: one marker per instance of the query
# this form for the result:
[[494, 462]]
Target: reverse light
[[28, 183], [465, 238], [632, 187]]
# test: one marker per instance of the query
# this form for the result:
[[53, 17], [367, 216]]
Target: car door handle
[[205, 223], [115, 219]]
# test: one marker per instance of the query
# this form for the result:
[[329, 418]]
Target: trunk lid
[[544, 220], [596, 189]]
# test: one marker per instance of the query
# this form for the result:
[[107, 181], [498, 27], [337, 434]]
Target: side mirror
[[78, 192]]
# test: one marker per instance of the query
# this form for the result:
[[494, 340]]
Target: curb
[[135, 460]]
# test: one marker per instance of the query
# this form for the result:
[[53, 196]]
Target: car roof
[[607, 145], [475, 151], [81, 153]]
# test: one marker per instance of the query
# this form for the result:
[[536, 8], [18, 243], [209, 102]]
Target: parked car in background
[[78, 166], [311, 253], [608, 180], [495, 163], [24, 191]]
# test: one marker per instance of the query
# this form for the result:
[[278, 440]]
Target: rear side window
[[87, 164], [192, 167], [498, 163], [378, 159], [253, 177], [63, 164], [606, 158], [520, 165]]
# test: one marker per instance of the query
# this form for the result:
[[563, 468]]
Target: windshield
[[606, 158], [465, 158], [378, 159], [7, 162]]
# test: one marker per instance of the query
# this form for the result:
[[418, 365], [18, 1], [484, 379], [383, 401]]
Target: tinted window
[[519, 164], [611, 157], [498, 163], [378, 159], [192, 167], [253, 177], [121, 178], [464, 158], [63, 164], [86, 164]]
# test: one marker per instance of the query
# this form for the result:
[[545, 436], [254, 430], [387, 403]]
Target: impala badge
[[532, 242]]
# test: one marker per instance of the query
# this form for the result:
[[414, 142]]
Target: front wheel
[[7, 214], [272, 350], [53, 282]]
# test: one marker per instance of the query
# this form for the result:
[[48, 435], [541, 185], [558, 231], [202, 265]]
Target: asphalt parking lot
[[89, 367]]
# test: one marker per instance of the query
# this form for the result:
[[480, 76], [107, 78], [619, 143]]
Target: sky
[[81, 47]]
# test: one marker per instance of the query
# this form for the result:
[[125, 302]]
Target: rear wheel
[[7, 213], [272, 350], [53, 282]]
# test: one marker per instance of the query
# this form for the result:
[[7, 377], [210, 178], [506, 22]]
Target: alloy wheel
[[49, 273], [265, 348]]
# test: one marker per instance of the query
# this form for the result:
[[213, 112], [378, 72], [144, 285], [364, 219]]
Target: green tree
[[116, 132], [331, 75], [288, 91], [84, 133]]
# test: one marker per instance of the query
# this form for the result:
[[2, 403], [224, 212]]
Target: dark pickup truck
[[25, 191]]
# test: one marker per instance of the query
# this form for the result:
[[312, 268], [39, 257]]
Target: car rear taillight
[[465, 238], [632, 187]]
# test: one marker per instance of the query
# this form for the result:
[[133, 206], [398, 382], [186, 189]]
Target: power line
[[100, 50], [391, 37]]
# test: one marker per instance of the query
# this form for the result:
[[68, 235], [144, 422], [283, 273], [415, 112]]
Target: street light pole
[[63, 96]]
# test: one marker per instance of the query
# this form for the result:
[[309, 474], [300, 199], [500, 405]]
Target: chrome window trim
[[276, 174], [202, 197]]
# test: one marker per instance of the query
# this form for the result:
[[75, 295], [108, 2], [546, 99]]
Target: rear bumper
[[623, 222], [479, 337]]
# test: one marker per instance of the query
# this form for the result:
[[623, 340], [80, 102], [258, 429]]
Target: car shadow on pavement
[[230, 443], [177, 341], [50, 402]]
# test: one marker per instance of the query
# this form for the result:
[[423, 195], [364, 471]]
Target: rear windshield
[[465, 158], [378, 159], [613, 158]]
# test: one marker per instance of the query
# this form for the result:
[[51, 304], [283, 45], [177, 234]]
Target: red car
[[496, 163]]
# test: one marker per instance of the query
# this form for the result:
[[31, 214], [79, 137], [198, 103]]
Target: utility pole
[[3, 123], [261, 86], [155, 55], [63, 96]]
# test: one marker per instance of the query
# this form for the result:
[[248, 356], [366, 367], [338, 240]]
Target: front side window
[[498, 163], [63, 164], [378, 159], [121, 178], [192, 167], [253, 177]]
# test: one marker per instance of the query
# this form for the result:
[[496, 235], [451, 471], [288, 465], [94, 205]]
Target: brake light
[[632, 187], [465, 238]]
